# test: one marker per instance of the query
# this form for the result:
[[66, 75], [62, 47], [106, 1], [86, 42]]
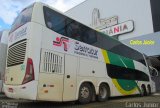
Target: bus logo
[[60, 41]]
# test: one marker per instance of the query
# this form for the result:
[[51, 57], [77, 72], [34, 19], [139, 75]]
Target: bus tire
[[149, 89], [143, 91], [85, 93], [104, 93]]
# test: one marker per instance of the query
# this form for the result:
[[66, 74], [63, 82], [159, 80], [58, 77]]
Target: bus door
[[51, 77], [70, 78]]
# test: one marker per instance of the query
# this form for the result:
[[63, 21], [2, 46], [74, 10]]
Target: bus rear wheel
[[143, 90], [85, 93], [149, 89], [104, 93]]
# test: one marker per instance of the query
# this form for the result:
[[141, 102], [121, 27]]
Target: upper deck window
[[68, 27], [22, 18]]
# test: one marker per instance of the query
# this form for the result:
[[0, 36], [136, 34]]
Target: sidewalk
[[157, 93]]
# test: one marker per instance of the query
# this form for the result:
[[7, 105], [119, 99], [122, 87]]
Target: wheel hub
[[84, 92]]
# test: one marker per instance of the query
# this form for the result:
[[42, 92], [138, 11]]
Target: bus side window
[[73, 29], [89, 36], [79, 32], [55, 21]]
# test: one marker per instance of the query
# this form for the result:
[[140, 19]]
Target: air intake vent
[[52, 63], [16, 53]]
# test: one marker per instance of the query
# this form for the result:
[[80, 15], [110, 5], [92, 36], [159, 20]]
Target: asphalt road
[[152, 101]]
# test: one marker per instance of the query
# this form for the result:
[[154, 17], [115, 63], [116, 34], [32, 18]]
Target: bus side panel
[[34, 46], [50, 87], [70, 78], [50, 84], [94, 72], [141, 67], [90, 68]]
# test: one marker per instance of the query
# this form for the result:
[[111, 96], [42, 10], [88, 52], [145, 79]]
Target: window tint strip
[[119, 72]]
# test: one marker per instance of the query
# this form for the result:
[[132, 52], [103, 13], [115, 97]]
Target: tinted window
[[110, 43], [73, 30], [22, 18], [117, 47], [89, 36], [126, 73], [68, 27], [128, 52], [55, 21], [80, 32]]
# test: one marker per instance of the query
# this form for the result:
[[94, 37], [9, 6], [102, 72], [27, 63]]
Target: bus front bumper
[[25, 91]]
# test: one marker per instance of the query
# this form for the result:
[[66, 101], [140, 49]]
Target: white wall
[[3, 55], [4, 38], [149, 50], [137, 10]]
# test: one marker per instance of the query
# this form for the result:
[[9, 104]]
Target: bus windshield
[[22, 18]]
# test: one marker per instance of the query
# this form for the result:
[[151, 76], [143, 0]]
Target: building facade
[[136, 23], [119, 18]]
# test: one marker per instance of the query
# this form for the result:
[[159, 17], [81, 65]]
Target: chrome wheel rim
[[85, 92], [103, 92]]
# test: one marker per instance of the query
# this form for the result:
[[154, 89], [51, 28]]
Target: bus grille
[[16, 53], [52, 63]]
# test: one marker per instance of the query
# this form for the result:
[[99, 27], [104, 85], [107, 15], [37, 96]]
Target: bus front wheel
[[85, 93], [104, 93]]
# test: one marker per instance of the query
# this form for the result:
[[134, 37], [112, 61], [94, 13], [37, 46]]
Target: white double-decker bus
[[52, 57]]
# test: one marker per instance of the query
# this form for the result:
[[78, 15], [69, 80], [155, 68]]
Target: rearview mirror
[[153, 72]]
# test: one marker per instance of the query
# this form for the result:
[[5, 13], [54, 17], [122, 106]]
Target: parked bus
[[3, 55], [52, 57]]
